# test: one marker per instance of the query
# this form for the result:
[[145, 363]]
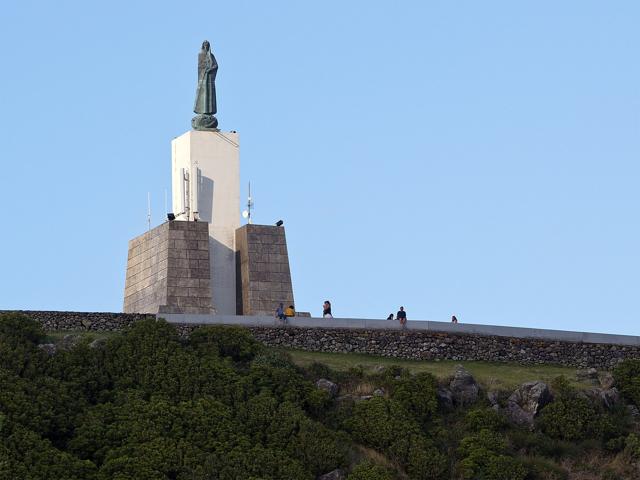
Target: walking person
[[326, 309], [280, 313], [402, 318]]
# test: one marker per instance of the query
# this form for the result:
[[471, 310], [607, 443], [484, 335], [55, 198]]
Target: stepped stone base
[[263, 278], [168, 270]]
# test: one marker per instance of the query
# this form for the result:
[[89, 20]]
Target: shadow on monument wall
[[205, 200], [223, 280]]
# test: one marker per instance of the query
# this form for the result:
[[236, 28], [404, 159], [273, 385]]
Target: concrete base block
[[263, 278], [168, 270]]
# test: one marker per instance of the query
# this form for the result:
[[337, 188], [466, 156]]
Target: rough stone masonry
[[168, 270], [415, 345]]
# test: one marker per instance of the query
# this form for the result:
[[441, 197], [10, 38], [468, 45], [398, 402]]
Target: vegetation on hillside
[[495, 375], [148, 404]]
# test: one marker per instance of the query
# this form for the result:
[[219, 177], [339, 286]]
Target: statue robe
[[206, 91]]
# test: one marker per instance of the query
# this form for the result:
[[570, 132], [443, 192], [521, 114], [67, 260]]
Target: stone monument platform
[[263, 278], [168, 270]]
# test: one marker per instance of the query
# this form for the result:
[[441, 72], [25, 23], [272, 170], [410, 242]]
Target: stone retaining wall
[[415, 345], [443, 346], [90, 321]]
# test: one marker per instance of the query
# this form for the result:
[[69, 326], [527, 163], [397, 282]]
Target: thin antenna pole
[[149, 210], [249, 204]]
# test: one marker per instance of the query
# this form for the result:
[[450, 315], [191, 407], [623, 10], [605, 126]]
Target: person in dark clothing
[[402, 317], [454, 319], [326, 309], [280, 313], [390, 317]]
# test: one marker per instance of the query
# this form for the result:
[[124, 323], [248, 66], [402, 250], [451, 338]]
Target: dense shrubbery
[[627, 376], [572, 416], [370, 471], [148, 404], [484, 450]]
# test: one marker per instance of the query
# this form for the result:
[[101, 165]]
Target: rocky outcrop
[[526, 402], [445, 398], [603, 397], [98, 343], [464, 388], [334, 475], [69, 341], [48, 348], [607, 381], [610, 397], [328, 386], [492, 398]]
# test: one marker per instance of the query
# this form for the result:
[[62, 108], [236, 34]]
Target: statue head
[[206, 46]]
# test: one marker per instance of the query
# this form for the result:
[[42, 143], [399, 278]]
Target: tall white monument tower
[[206, 187], [188, 264]]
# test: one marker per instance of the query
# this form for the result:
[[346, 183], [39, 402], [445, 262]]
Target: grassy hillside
[[147, 404], [493, 375]]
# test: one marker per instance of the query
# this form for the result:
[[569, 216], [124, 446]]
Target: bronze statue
[[205, 106]]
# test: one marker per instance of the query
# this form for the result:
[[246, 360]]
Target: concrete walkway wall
[[412, 325], [419, 341]]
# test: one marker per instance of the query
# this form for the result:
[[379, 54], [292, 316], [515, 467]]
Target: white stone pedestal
[[206, 186]]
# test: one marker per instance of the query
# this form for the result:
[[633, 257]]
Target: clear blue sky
[[470, 158]]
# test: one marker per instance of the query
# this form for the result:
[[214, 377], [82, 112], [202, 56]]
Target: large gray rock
[[526, 402], [492, 398], [445, 398], [98, 343], [464, 387], [69, 341], [607, 381], [48, 348], [610, 397], [602, 397], [333, 475], [328, 386], [517, 415], [378, 392], [531, 396]]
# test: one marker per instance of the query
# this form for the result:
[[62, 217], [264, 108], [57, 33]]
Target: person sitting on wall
[[280, 313], [390, 317], [290, 311], [402, 317], [454, 319], [326, 309]]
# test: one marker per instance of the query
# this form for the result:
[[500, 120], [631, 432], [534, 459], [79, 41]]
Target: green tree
[[417, 394], [369, 471], [627, 377]]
